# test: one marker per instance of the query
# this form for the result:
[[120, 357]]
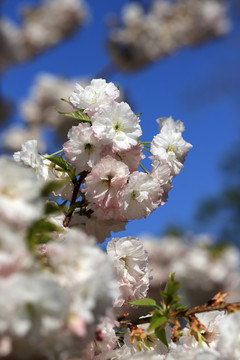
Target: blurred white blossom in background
[[144, 37]]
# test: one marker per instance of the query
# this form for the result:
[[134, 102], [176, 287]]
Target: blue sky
[[200, 86]]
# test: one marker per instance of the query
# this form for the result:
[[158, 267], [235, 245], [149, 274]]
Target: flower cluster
[[43, 27], [62, 297], [108, 147], [105, 149], [167, 26]]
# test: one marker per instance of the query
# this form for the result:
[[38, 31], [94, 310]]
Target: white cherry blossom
[[229, 340], [142, 195], [171, 147], [93, 97], [83, 149], [116, 124], [45, 169], [168, 124], [85, 271], [100, 224], [104, 184], [130, 262], [131, 157]]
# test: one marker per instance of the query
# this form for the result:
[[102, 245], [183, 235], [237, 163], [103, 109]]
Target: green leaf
[[157, 320], [53, 185], [161, 335], [143, 302], [39, 232], [44, 239], [59, 161], [44, 226], [169, 294], [51, 207], [78, 115], [180, 307]]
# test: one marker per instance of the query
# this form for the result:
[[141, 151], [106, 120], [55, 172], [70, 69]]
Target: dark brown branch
[[77, 184], [204, 308], [185, 313]]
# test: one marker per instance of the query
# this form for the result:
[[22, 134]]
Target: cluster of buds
[[166, 27], [43, 26], [102, 157]]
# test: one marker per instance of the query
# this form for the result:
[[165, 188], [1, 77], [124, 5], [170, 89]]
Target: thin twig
[[204, 308], [77, 184]]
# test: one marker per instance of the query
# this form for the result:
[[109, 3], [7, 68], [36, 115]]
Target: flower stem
[[145, 170], [57, 152]]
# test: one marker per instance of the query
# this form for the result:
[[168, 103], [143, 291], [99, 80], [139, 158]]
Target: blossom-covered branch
[[62, 297]]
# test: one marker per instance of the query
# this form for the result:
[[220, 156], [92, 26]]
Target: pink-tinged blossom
[[116, 124], [98, 226], [161, 171], [102, 214], [83, 148], [142, 195], [171, 147], [105, 341], [130, 261], [131, 157], [104, 184], [94, 97]]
